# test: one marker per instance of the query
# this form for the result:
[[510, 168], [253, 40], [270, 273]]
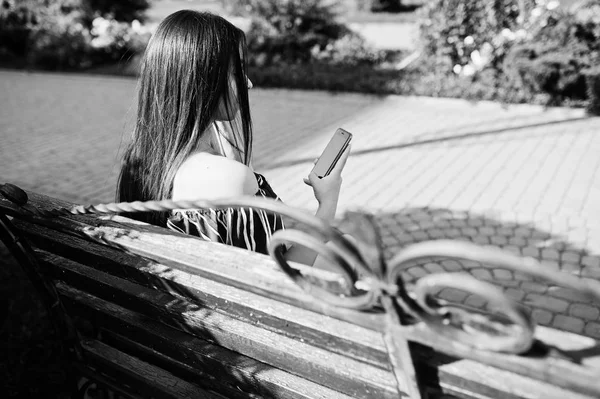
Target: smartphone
[[334, 150]]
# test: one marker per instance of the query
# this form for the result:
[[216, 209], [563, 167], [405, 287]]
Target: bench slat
[[225, 264], [147, 379], [334, 335], [558, 371], [461, 374], [138, 334], [316, 364]]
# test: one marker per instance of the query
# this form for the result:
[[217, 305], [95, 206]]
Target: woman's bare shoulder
[[209, 176]]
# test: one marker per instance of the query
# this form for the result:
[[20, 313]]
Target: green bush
[[553, 59], [300, 31], [70, 34], [324, 76], [453, 30], [290, 30], [386, 5], [592, 76], [59, 44], [120, 10]]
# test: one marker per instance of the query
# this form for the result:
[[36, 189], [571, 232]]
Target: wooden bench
[[154, 313]]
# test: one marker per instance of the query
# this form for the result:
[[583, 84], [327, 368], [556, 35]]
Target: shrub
[[289, 30], [120, 10], [113, 40], [386, 5], [70, 34], [469, 32], [350, 49], [559, 49], [300, 31], [59, 43], [336, 78], [592, 76]]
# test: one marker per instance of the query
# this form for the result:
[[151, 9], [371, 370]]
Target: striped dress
[[241, 227]]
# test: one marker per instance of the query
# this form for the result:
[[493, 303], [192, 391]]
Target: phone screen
[[332, 152]]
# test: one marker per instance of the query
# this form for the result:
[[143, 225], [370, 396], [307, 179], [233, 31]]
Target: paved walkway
[[521, 178]]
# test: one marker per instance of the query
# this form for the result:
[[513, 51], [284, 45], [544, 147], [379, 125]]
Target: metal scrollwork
[[357, 255]]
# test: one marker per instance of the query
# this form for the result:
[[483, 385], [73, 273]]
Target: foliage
[[592, 76], [350, 49], [59, 43], [294, 31], [324, 76], [120, 10], [559, 50], [70, 34], [469, 33], [531, 49], [386, 5]]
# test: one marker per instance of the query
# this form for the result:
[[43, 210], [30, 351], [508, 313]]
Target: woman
[[193, 136]]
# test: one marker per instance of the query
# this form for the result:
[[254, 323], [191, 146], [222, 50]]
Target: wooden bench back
[[170, 315]]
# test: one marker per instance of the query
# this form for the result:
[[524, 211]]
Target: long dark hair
[[186, 73]]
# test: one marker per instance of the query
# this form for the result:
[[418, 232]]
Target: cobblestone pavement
[[522, 178]]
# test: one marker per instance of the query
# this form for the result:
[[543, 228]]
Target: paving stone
[[593, 272], [505, 231], [546, 302], [592, 330], [476, 302], [482, 274], [571, 257], [475, 222], [523, 277], [453, 295], [584, 311], [533, 286], [436, 233], [518, 241], [507, 283], [481, 240], [568, 323], [487, 231], [512, 249], [551, 264], [523, 232], [419, 236], [515, 294], [452, 265], [550, 254], [434, 268], [503, 274], [459, 223], [469, 231], [531, 251], [453, 233], [565, 293], [543, 317], [417, 272], [498, 240], [591, 261]]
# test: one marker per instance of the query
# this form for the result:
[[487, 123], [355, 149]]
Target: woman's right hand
[[327, 188]]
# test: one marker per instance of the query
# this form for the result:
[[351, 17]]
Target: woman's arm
[[327, 191]]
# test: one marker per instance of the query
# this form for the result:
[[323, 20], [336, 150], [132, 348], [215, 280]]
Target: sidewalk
[[521, 177]]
